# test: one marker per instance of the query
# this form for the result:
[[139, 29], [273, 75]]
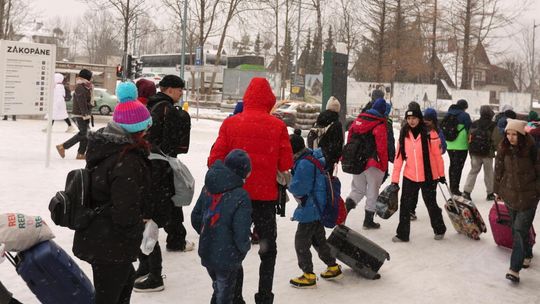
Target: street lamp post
[[184, 26]]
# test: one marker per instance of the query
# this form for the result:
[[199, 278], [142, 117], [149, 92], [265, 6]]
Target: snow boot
[[490, 197], [332, 273], [466, 195], [527, 262], [368, 221], [152, 283], [413, 216], [512, 276], [349, 204], [61, 150], [307, 280]]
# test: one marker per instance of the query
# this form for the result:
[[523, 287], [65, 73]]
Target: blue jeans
[[521, 248], [224, 284]]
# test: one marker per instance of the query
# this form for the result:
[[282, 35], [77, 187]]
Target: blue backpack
[[334, 208]]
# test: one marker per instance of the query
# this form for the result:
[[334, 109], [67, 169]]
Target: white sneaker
[[189, 246], [70, 129]]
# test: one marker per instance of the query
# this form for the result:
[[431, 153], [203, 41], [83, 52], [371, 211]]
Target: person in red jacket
[[368, 182], [266, 140]]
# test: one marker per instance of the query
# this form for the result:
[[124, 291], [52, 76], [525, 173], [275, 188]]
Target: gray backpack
[[184, 183]]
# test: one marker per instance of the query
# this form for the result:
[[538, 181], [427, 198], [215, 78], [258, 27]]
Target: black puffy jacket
[[122, 181]]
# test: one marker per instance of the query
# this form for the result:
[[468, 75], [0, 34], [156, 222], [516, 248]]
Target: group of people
[[253, 151], [514, 178]]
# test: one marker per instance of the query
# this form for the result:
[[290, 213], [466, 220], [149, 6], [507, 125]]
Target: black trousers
[[176, 232], [457, 162], [308, 234], [113, 283], [150, 263], [264, 220], [409, 197], [81, 137]]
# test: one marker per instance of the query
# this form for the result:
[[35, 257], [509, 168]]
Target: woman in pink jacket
[[424, 167]]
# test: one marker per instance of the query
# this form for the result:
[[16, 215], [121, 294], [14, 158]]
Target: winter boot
[[466, 195], [152, 283], [527, 262], [254, 238], [307, 280], [413, 216], [349, 204], [368, 221], [490, 197], [80, 156], [61, 150], [332, 272], [512, 276], [264, 298]]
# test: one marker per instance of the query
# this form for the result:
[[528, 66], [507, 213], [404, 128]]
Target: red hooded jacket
[[366, 122], [263, 136]]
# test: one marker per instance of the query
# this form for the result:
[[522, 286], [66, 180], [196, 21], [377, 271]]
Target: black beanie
[[376, 94], [86, 74], [172, 81], [297, 141], [415, 113], [462, 103]]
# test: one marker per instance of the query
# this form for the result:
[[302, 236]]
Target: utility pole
[[298, 37], [184, 25], [533, 83]]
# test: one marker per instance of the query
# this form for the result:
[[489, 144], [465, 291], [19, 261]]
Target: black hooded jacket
[[332, 141], [120, 180]]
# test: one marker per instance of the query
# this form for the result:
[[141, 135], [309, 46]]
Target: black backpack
[[315, 136], [358, 151], [70, 208], [480, 140], [176, 129], [449, 126]]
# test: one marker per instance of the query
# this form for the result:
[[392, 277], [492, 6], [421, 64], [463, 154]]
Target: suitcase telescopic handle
[[10, 258], [451, 198], [497, 208]]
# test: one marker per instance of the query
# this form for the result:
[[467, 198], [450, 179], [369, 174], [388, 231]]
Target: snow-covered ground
[[455, 270]]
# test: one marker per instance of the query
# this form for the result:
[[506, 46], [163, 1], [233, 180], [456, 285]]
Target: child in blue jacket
[[222, 218], [308, 186]]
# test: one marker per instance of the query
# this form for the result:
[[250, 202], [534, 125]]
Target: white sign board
[[26, 81], [404, 93], [475, 99]]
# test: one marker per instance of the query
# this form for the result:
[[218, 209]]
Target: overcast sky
[[52, 8]]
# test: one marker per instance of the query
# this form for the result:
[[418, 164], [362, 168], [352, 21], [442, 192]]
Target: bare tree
[[348, 29], [128, 10], [99, 36], [13, 14]]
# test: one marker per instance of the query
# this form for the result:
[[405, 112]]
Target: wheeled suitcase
[[52, 275], [464, 215], [357, 252], [499, 220]]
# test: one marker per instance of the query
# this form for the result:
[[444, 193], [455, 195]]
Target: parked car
[[287, 112], [105, 102]]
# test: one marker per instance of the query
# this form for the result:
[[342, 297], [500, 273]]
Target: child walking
[[308, 186], [222, 218], [420, 149]]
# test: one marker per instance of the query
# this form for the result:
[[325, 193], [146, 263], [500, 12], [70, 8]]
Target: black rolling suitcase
[[357, 252]]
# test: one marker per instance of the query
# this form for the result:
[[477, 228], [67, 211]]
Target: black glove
[[442, 180]]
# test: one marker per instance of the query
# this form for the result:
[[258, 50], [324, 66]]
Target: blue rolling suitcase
[[52, 275]]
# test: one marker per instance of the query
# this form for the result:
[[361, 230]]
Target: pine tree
[[305, 54], [257, 47], [287, 51], [314, 65], [329, 43]]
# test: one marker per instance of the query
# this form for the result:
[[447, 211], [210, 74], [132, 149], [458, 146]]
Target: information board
[[26, 77]]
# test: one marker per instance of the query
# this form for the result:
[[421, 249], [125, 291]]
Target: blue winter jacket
[[224, 245], [308, 185]]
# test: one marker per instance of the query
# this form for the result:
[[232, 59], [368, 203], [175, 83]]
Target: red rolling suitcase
[[499, 220], [52, 275]]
